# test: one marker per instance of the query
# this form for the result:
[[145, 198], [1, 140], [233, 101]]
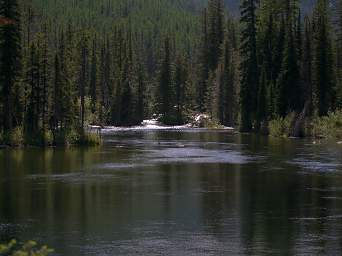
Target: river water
[[176, 192]]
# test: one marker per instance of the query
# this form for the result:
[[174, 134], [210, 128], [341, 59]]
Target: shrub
[[29, 248], [205, 121], [89, 139], [13, 138], [75, 137], [1, 138], [281, 126], [41, 138], [329, 126]]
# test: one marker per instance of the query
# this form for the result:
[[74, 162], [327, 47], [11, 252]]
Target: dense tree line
[[66, 64], [291, 59]]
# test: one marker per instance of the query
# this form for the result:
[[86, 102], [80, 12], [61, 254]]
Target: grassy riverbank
[[326, 127], [18, 138]]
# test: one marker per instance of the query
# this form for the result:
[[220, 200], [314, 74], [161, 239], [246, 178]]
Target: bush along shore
[[19, 138], [325, 127]]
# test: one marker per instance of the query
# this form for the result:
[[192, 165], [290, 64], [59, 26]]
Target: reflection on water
[[176, 193]]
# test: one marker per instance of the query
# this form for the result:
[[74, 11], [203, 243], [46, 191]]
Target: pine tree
[[249, 65], [10, 63], [288, 83], [93, 79], [83, 68], [204, 64], [45, 79], [180, 82], [57, 94], [339, 56], [126, 118], [141, 94], [323, 60], [215, 32], [231, 79], [226, 80], [165, 86], [64, 103], [306, 67], [33, 111], [262, 109]]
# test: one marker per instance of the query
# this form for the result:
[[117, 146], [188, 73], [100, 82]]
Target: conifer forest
[[170, 127], [66, 64]]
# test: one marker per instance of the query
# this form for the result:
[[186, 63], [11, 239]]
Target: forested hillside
[[66, 64]]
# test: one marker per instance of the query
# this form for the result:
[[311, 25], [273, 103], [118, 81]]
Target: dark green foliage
[[323, 60], [227, 105], [262, 110], [10, 63], [69, 64], [203, 64], [306, 66], [180, 82], [215, 32], [249, 65], [165, 102]]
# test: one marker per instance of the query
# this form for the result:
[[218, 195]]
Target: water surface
[[183, 192]]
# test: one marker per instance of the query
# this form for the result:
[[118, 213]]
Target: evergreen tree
[[323, 60], [249, 65], [288, 83], [180, 82], [45, 79], [339, 56], [57, 94], [93, 79], [83, 68], [10, 61], [165, 105], [33, 110], [215, 32], [141, 94], [204, 64], [227, 81], [262, 109], [306, 67]]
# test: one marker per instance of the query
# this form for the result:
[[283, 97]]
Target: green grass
[[77, 138], [328, 127], [14, 138], [18, 138], [89, 139], [280, 127]]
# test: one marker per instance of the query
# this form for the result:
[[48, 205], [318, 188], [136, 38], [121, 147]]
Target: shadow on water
[[176, 193]]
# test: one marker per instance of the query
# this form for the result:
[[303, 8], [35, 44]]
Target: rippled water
[[180, 192]]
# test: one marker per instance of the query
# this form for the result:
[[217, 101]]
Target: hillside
[[114, 62]]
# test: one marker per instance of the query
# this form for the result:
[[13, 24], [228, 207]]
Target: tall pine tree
[[10, 62], [249, 65]]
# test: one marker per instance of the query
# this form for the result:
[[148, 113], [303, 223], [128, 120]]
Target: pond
[[176, 192]]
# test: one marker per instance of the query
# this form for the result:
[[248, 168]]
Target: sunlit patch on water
[[330, 189], [10, 228], [149, 153], [119, 166], [76, 177], [316, 165], [175, 244], [331, 198], [305, 219], [199, 155]]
